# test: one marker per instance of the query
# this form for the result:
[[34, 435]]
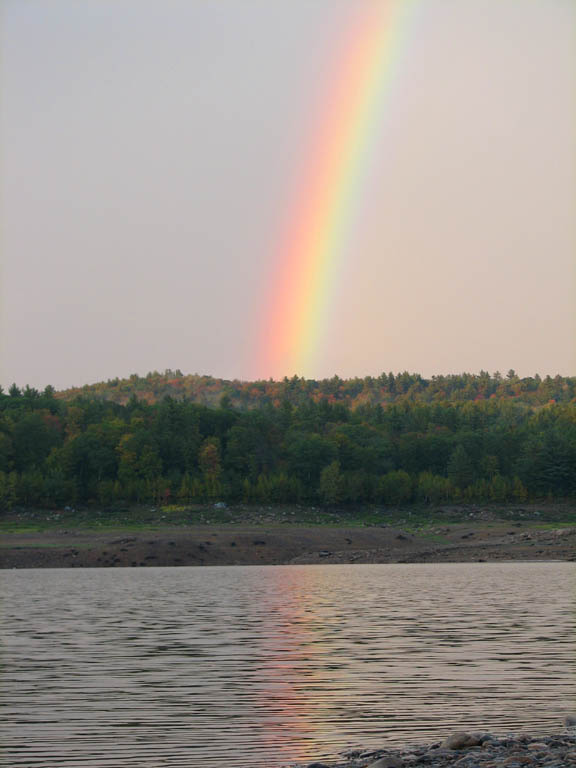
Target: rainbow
[[311, 254]]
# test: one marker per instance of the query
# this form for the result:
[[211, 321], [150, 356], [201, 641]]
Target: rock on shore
[[250, 544], [467, 750]]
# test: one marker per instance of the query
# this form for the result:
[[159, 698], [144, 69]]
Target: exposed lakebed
[[271, 543]]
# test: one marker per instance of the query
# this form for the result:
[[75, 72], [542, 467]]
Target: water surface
[[263, 666]]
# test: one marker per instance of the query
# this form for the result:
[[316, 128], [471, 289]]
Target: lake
[[264, 666]]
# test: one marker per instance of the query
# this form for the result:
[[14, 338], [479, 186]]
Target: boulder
[[438, 752], [387, 762], [570, 725], [461, 740]]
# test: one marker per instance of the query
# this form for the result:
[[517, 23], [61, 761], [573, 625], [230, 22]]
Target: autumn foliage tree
[[392, 440]]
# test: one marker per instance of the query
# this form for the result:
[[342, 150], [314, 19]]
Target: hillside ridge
[[354, 392]]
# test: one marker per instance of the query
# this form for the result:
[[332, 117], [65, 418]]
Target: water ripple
[[263, 666]]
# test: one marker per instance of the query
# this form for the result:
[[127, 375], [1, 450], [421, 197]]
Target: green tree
[[106, 492], [489, 466], [499, 489], [331, 484], [209, 458], [31, 488], [395, 487], [460, 468], [519, 493], [185, 493], [8, 487], [434, 489], [32, 441], [307, 455], [359, 487]]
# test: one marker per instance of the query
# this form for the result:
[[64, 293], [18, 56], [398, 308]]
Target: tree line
[[313, 450], [370, 390]]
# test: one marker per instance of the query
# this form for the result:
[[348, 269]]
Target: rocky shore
[[273, 544], [467, 750]]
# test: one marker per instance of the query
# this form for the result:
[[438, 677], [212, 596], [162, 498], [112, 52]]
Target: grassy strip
[[418, 520]]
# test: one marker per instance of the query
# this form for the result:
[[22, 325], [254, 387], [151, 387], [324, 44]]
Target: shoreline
[[201, 545], [465, 750]]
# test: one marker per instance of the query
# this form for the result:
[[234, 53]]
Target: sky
[[151, 153]]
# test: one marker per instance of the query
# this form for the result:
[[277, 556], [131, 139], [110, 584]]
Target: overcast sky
[[150, 149]]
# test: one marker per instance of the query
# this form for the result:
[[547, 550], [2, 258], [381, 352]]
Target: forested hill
[[386, 440], [381, 390]]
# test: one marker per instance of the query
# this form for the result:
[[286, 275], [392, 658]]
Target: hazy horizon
[[150, 153], [503, 374]]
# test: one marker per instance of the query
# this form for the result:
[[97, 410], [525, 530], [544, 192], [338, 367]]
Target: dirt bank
[[201, 545]]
